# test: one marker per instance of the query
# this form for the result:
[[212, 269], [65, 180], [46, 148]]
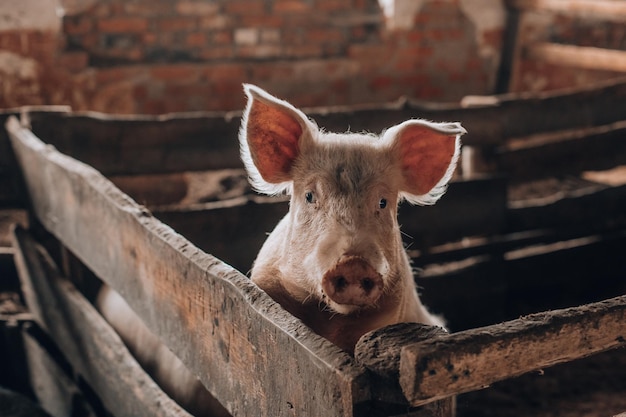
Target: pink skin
[[336, 260]]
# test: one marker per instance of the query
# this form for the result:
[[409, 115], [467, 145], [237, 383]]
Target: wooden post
[[380, 350]]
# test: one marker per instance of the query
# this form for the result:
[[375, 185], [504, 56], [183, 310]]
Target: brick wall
[[570, 28], [157, 56]]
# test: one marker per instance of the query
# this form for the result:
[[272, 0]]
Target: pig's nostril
[[367, 284], [341, 283]]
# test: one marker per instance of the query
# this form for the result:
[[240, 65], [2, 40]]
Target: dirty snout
[[352, 282]]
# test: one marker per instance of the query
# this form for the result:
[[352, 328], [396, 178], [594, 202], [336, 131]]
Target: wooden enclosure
[[524, 256]]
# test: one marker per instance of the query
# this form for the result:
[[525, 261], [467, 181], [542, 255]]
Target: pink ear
[[272, 131], [428, 154]]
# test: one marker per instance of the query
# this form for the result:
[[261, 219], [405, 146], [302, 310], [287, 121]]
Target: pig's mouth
[[352, 284]]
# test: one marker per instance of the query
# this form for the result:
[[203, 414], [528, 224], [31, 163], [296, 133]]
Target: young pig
[[336, 260]]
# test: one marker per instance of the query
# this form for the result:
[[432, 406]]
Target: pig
[[336, 260]]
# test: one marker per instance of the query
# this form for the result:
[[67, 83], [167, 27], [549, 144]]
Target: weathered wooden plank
[[128, 145], [506, 283], [93, 348], [564, 152], [473, 359], [586, 57], [55, 391], [592, 208], [218, 322], [142, 144], [599, 9], [470, 207]]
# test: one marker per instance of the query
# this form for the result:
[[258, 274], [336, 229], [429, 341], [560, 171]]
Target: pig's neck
[[399, 305], [344, 330]]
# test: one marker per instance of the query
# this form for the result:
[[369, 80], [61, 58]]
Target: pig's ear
[[427, 153], [270, 139]]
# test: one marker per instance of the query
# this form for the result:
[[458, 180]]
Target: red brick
[[123, 25], [325, 35], [197, 8], [332, 5], [381, 83], [77, 26], [108, 75], [245, 7], [174, 24], [303, 51], [214, 52], [224, 37], [227, 72], [259, 51], [215, 22], [149, 9], [73, 61], [291, 6], [149, 38], [261, 20], [196, 39], [188, 72]]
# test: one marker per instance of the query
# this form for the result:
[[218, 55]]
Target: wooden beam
[[585, 57], [55, 390], [93, 348], [473, 359], [128, 145], [601, 9], [563, 152], [221, 325]]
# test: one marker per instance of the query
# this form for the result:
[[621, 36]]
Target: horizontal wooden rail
[[586, 57], [129, 145], [605, 9], [473, 359], [254, 356], [561, 153]]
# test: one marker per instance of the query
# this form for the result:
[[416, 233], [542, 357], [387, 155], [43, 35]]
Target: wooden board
[[137, 144], [503, 283], [219, 323], [563, 153], [584, 57], [55, 390], [442, 365], [92, 347], [598, 9], [595, 208], [126, 145]]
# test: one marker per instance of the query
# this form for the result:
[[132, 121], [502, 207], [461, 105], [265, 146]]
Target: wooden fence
[[255, 357]]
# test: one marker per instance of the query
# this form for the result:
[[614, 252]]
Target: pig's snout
[[353, 281]]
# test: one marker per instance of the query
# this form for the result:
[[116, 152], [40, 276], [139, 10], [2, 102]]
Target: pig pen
[[524, 256]]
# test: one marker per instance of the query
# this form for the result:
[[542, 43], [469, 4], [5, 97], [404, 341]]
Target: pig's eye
[[382, 203], [310, 198]]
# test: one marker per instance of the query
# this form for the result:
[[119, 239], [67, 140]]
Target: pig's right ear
[[270, 139], [427, 153]]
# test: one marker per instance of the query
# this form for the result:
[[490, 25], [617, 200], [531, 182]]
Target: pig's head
[[340, 243]]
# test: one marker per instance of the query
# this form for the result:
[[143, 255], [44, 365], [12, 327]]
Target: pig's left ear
[[427, 153], [271, 136]]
